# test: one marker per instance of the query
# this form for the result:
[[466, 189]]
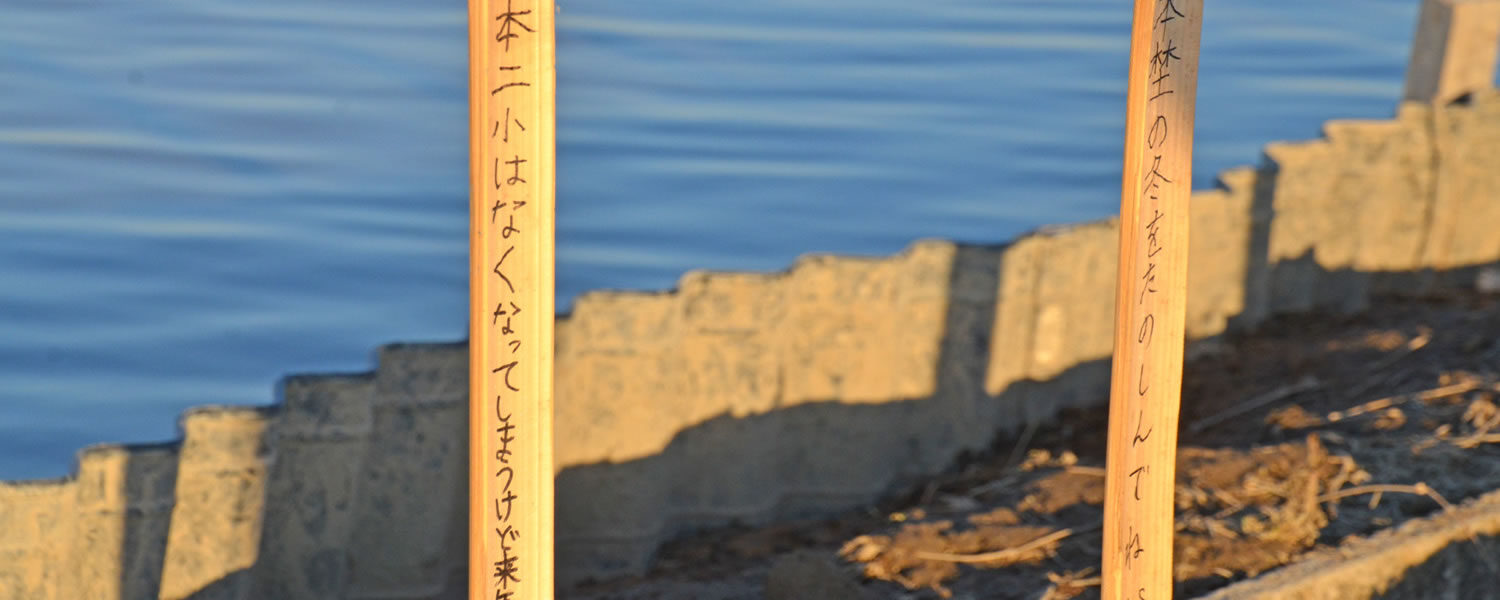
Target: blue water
[[199, 196]]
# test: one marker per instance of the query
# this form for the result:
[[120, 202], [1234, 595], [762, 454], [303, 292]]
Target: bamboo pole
[[1150, 300], [512, 140]]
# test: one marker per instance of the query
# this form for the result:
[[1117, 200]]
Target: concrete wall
[[743, 397]]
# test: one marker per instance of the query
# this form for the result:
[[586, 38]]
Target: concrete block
[[412, 504], [925, 271], [1454, 50], [1309, 235], [703, 447], [861, 353], [1261, 185], [975, 275], [422, 374], [610, 517], [621, 322], [735, 374], [731, 302], [964, 356], [1074, 320], [219, 504], [36, 528], [720, 471], [1387, 176], [1075, 299], [1466, 204], [1219, 253], [866, 331], [610, 407], [840, 452], [121, 521], [323, 434], [1011, 345]]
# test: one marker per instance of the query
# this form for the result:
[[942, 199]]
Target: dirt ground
[[1309, 431]]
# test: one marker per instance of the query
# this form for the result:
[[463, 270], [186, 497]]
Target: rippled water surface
[[197, 197]]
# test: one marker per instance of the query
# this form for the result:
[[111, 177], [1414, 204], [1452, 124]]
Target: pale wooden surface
[[1151, 300], [512, 100], [1454, 50]]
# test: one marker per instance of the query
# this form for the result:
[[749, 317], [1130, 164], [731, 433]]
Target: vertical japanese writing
[[1163, 90], [512, 135], [512, 289]]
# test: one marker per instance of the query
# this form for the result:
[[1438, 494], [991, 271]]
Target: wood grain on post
[[1454, 51], [512, 140], [1150, 300]]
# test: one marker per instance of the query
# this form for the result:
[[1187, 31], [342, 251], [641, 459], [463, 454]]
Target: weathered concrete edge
[[1370, 567]]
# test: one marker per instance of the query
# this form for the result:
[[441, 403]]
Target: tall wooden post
[[512, 139], [1150, 300], [1454, 50]]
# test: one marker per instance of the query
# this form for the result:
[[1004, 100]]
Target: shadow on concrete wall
[[831, 455], [817, 457], [143, 546], [794, 461]]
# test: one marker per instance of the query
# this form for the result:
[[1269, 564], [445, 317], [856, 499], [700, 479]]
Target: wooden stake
[[1150, 300], [512, 140]]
